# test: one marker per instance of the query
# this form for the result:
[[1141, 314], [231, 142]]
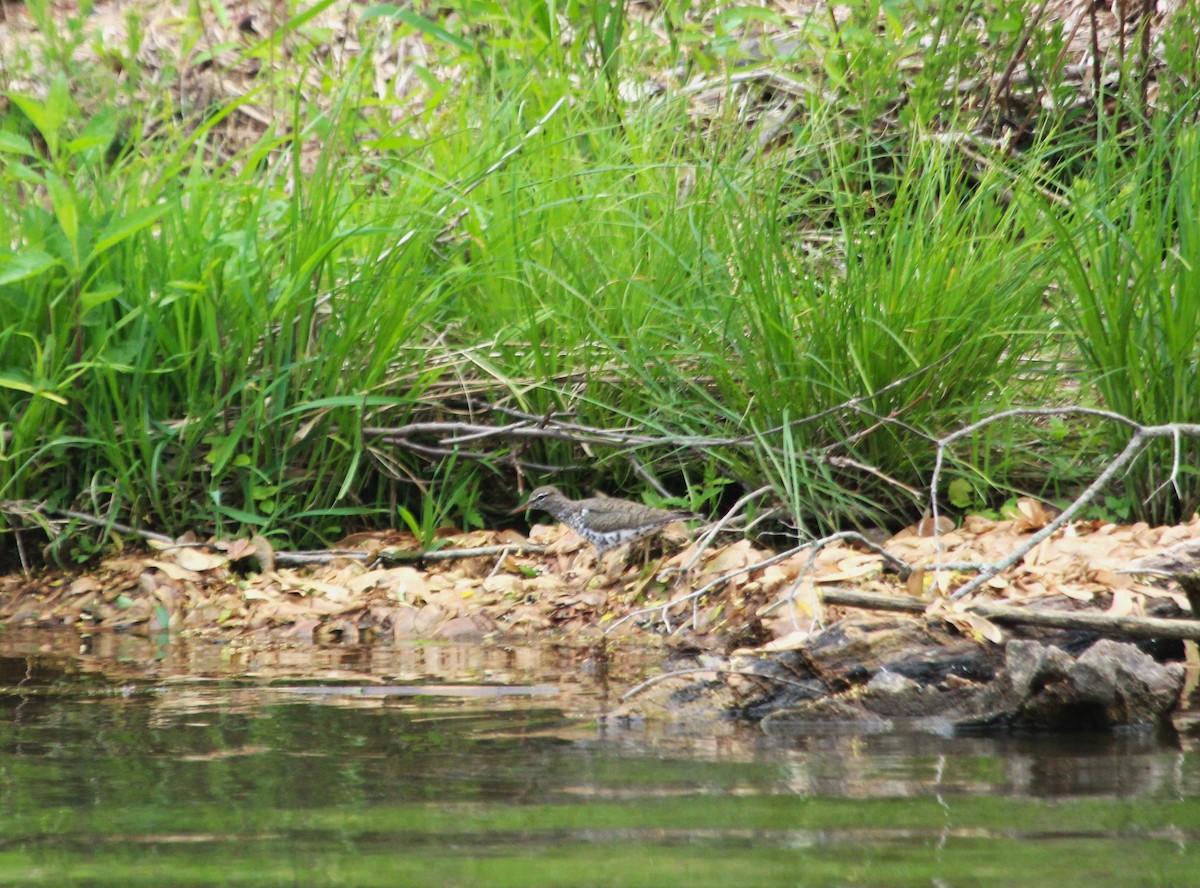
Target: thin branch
[[1137, 442], [452, 554], [703, 590], [1103, 624], [1006, 78], [902, 567], [710, 533], [650, 682], [17, 507]]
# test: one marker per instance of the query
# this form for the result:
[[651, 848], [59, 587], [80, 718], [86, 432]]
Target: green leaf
[[410, 520], [222, 452], [26, 264], [426, 26], [739, 16], [242, 516], [46, 117], [1119, 506], [20, 383], [1008, 24], [66, 211], [15, 144], [99, 133], [93, 298], [161, 617], [126, 226], [961, 493]]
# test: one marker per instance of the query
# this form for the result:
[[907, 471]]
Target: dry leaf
[[850, 568], [957, 615], [197, 559], [915, 584], [83, 585], [236, 549], [790, 642], [174, 571], [732, 557], [264, 552], [1123, 604], [925, 527]]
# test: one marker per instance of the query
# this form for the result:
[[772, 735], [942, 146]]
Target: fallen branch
[[28, 507], [410, 555], [285, 557], [1102, 624]]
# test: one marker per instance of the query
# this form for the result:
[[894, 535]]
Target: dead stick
[[1104, 624], [404, 556]]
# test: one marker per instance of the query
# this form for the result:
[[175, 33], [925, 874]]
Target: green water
[[217, 781]]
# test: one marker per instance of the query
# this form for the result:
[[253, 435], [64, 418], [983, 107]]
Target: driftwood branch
[[28, 507], [1103, 624]]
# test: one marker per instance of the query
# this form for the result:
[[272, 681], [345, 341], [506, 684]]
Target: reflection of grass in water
[[100, 793], [57, 663], [782, 841]]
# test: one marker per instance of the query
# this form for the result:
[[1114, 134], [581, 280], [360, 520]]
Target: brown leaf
[[196, 559], [235, 549], [404, 584], [83, 585], [924, 527], [1123, 604], [915, 584], [973, 625], [730, 558], [794, 640], [173, 570]]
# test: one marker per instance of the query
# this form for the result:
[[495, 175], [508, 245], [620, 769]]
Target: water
[[491, 769]]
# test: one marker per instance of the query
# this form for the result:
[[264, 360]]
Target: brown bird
[[603, 521]]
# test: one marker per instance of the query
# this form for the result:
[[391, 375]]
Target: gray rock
[[1112, 684]]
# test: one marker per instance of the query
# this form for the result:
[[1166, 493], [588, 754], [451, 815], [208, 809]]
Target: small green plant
[[448, 499]]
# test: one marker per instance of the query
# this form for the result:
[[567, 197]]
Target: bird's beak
[[518, 509]]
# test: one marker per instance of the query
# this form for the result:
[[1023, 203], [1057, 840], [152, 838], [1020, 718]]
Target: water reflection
[[460, 765]]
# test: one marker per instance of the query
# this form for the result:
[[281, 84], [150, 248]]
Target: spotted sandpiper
[[605, 522]]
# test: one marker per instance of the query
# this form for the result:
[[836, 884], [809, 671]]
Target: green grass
[[195, 331]]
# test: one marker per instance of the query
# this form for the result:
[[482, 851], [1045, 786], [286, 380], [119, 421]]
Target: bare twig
[[650, 682], [1003, 83], [703, 590], [903, 568], [710, 533], [1141, 434], [452, 554], [83, 518]]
